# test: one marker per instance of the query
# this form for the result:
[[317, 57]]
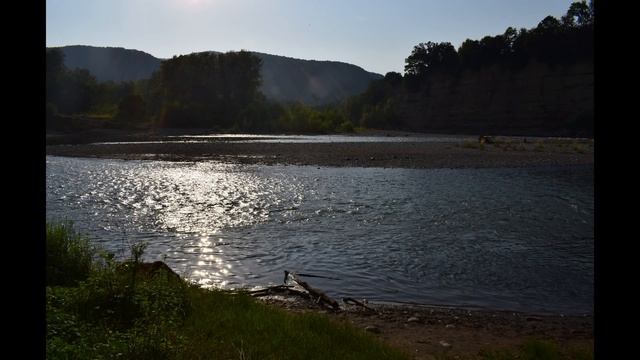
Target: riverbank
[[101, 308], [505, 152], [430, 332]]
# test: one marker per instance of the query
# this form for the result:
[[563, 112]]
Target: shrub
[[69, 255], [346, 127]]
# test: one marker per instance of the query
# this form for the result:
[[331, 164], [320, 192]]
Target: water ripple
[[518, 239]]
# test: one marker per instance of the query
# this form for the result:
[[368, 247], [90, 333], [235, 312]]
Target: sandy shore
[[454, 154], [427, 332]]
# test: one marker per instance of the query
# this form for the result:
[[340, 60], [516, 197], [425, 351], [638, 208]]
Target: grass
[[580, 148], [69, 255], [533, 349], [115, 312], [237, 326], [468, 144]]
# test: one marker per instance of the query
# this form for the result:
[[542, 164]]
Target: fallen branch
[[348, 300], [282, 289], [271, 288], [320, 297]]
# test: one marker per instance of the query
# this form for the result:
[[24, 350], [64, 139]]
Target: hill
[[284, 79]]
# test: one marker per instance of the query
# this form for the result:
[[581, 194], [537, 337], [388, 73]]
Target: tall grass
[[69, 255], [237, 326]]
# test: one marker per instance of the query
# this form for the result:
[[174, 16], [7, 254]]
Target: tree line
[[221, 91], [554, 42], [201, 90]]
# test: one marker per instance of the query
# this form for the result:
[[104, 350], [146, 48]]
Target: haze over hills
[[284, 79]]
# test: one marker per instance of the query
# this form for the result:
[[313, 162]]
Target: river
[[516, 239]]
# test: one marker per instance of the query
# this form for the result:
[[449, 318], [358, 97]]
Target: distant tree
[[508, 41], [54, 62], [131, 109], [76, 92], [69, 91], [207, 89], [55, 72], [549, 25], [579, 14], [431, 56], [470, 54], [393, 78]]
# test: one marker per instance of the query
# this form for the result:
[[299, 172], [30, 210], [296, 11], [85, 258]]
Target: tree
[[207, 89], [549, 25], [393, 78], [431, 56], [579, 14], [54, 62], [55, 71], [470, 54], [131, 108]]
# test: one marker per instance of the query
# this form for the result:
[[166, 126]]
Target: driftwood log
[[279, 289], [318, 296]]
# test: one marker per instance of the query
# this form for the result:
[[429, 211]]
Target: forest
[[443, 89]]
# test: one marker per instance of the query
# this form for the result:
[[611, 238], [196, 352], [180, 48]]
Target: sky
[[376, 35]]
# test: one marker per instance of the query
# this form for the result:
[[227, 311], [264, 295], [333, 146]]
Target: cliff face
[[537, 99]]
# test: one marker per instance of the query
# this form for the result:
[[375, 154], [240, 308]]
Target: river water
[[510, 239]]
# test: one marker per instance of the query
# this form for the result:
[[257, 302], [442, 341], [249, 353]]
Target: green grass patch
[[533, 349], [119, 311], [237, 326], [69, 255], [580, 148], [469, 144]]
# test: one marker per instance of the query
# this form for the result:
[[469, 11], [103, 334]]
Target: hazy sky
[[374, 34]]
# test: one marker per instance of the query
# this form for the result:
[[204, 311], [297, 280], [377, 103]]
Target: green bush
[[346, 127], [119, 311], [69, 255]]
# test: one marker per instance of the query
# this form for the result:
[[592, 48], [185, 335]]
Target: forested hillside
[[284, 79]]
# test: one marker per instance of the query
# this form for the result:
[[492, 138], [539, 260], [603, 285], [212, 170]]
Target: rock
[[413, 319], [449, 326], [445, 344], [372, 329]]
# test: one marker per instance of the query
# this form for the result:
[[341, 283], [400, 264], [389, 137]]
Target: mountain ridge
[[285, 79]]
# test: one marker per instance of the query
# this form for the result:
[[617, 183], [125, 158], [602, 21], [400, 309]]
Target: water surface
[[510, 239]]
